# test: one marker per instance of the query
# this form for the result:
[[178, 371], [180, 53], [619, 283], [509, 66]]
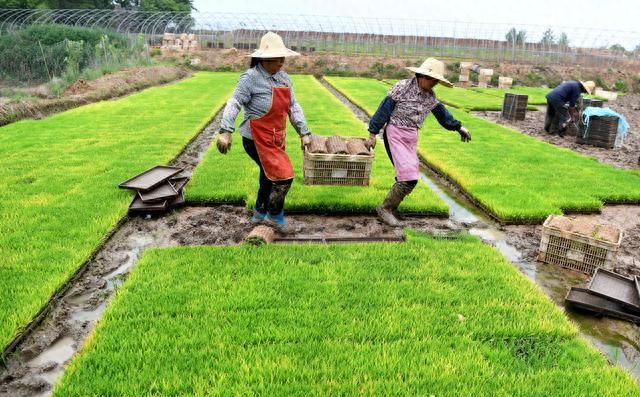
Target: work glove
[[305, 140], [573, 113], [224, 141], [465, 136], [370, 143]]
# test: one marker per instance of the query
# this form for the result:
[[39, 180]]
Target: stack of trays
[[602, 132], [514, 106], [596, 103], [609, 294], [158, 189]]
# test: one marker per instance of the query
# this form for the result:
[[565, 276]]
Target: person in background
[[558, 116], [401, 113], [266, 94]]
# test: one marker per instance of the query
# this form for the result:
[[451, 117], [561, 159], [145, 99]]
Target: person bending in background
[[266, 94], [558, 116], [403, 111]]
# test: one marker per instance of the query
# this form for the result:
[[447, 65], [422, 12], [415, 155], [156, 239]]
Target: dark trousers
[[386, 147], [271, 195], [556, 115]]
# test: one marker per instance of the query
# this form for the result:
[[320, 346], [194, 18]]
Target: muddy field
[[627, 156], [39, 359]]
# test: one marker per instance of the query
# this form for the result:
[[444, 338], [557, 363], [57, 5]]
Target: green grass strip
[[516, 177], [234, 176], [61, 178], [426, 317]]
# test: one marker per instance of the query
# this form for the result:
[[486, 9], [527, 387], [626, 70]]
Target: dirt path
[[627, 156]]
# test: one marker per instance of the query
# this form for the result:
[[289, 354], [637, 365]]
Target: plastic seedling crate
[[514, 106], [337, 169], [576, 251]]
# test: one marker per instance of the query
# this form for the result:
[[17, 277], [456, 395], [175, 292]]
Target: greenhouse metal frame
[[353, 35]]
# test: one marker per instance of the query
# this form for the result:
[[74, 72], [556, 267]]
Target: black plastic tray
[[584, 299], [150, 178], [615, 287], [139, 206], [165, 191], [179, 183]]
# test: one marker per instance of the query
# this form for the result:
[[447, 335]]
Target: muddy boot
[[276, 201], [395, 196], [258, 216]]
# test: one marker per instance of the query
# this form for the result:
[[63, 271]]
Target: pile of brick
[[183, 42], [505, 82], [465, 67], [484, 77]]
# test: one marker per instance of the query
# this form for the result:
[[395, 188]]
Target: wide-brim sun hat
[[432, 68], [588, 86], [272, 46]]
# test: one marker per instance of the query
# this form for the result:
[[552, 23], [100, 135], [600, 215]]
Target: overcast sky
[[617, 15]]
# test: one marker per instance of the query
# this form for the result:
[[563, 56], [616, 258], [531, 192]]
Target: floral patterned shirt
[[412, 103]]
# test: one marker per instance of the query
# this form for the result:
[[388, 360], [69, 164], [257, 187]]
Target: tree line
[[142, 5], [515, 36]]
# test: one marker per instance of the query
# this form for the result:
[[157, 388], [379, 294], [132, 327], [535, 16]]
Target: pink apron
[[403, 143]]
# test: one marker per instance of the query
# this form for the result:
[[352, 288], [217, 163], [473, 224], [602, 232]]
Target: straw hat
[[272, 46], [588, 86], [432, 68]]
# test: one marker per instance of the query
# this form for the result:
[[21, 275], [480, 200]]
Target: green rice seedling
[[457, 97], [537, 95], [61, 178], [325, 115], [425, 317], [515, 177]]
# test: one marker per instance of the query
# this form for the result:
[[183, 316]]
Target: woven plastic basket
[[576, 251], [337, 169]]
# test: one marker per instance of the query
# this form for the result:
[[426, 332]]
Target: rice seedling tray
[[583, 298], [150, 178], [139, 206], [179, 183], [615, 287], [514, 106], [160, 193]]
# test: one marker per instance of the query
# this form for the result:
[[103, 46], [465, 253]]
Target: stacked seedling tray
[[158, 189], [601, 131], [609, 294], [514, 106], [579, 245], [594, 103], [339, 161]]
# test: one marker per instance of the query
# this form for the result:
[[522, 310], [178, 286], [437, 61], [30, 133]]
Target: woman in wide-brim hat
[[401, 114], [266, 94]]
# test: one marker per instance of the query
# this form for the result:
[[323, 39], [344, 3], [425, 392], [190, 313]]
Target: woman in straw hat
[[558, 118], [402, 113], [266, 94]]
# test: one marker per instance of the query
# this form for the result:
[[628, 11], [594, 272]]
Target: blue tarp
[[623, 126]]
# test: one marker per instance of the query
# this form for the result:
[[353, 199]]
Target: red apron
[[269, 135]]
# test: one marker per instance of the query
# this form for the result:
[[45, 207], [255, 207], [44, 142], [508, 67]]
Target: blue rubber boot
[[278, 219], [258, 216]]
